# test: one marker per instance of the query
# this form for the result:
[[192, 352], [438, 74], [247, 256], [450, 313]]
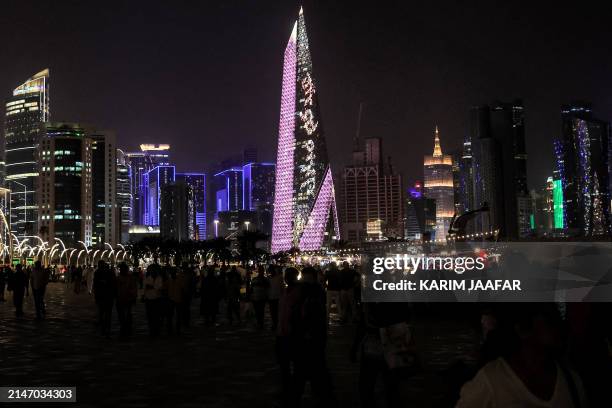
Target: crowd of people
[[529, 355]]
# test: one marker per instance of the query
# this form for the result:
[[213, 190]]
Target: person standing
[[288, 309], [3, 281], [234, 283], [126, 297], [260, 287], [348, 280], [89, 277], [78, 279], [210, 297], [332, 280], [104, 288], [152, 292], [40, 279], [276, 287], [18, 284], [189, 293], [176, 297]]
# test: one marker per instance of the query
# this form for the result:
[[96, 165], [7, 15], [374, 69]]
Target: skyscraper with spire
[[26, 110], [438, 177], [304, 201]]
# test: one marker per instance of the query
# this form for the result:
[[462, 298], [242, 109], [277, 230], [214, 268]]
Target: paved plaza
[[225, 366]]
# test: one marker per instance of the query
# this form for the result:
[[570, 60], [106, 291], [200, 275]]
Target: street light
[[216, 228], [246, 223]]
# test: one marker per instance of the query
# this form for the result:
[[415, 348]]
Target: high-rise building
[[438, 178], [26, 110], [105, 213], [229, 190], [64, 190], [420, 215], [177, 212], [149, 157], [124, 196], [153, 182], [465, 197], [258, 184], [542, 202], [582, 153], [304, 200], [372, 197], [499, 180], [197, 183]]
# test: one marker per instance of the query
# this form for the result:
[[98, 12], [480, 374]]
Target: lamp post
[[216, 228], [246, 223]]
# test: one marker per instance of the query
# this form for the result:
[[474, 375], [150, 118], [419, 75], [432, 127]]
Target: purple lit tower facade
[[304, 202]]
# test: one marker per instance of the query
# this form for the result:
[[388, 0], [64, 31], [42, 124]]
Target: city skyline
[[399, 113]]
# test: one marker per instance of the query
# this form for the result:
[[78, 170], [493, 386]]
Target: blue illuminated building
[[153, 182], [197, 182], [228, 190], [258, 185]]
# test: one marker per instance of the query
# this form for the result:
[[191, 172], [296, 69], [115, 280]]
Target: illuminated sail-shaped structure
[[304, 202]]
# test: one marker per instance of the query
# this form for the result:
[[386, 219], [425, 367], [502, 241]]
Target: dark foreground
[[225, 366]]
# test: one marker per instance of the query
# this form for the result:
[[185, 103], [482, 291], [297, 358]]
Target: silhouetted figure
[[334, 285], [105, 291], [4, 273], [349, 278], [18, 284], [210, 297], [176, 296], [127, 292], [152, 291], [78, 279], [374, 362], [189, 292], [260, 285], [274, 294], [233, 283], [40, 279], [303, 325]]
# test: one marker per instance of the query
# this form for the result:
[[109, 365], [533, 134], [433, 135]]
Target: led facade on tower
[[438, 170], [304, 200]]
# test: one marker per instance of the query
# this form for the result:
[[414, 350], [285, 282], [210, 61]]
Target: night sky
[[206, 76]]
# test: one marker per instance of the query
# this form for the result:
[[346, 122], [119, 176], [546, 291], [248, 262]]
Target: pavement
[[225, 366]]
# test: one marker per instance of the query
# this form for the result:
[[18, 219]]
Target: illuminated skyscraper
[[149, 157], [499, 176], [372, 196], [228, 190], [438, 172], [304, 199], [124, 196], [105, 214], [582, 164], [26, 110], [178, 217], [197, 183], [64, 190], [153, 182]]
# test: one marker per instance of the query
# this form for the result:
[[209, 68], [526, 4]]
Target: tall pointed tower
[[438, 172], [304, 201]]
